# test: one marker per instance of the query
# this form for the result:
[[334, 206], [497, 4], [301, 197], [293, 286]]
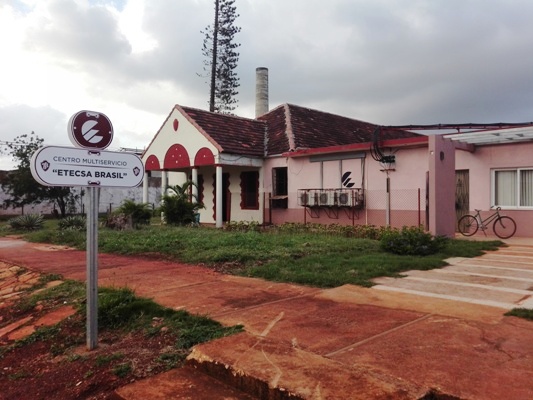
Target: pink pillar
[[441, 186]]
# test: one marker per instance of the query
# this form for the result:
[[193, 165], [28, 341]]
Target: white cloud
[[383, 61]]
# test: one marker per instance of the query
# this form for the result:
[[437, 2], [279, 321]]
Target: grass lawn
[[316, 259]]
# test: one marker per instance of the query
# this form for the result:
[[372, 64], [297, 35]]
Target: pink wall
[[409, 174], [442, 186], [480, 165]]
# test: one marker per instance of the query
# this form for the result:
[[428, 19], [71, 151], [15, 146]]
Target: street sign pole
[[92, 267], [88, 165]]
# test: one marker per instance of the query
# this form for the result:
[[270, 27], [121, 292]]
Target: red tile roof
[[286, 128], [314, 129], [235, 135]]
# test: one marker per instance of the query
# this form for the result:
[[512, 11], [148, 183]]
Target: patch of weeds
[[45, 278], [171, 360], [19, 375], [73, 223], [105, 359], [120, 308], [202, 330], [412, 241], [88, 374], [525, 313], [122, 370], [75, 357], [40, 335], [69, 291], [27, 222], [152, 331], [57, 349]]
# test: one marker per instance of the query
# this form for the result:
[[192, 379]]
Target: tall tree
[[221, 57], [20, 185]]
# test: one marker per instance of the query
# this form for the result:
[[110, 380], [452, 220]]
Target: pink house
[[294, 164]]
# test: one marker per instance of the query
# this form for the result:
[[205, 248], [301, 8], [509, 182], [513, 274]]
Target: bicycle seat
[[476, 210]]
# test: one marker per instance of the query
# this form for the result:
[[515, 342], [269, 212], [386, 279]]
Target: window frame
[[517, 183], [280, 187], [245, 189]]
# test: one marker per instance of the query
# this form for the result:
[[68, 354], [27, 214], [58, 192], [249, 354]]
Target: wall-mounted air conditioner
[[308, 198], [326, 198], [344, 198]]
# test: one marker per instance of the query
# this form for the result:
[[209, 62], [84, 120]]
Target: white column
[[164, 185], [164, 182], [218, 203], [145, 186], [195, 184]]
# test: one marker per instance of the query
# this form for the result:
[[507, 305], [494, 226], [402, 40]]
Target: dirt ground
[[63, 368]]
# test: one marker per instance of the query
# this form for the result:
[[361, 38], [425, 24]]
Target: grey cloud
[[47, 123], [79, 37], [390, 62]]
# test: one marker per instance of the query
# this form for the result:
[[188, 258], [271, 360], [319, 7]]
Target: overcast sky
[[383, 61]]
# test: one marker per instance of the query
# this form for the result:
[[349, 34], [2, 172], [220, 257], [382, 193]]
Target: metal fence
[[396, 208], [406, 207]]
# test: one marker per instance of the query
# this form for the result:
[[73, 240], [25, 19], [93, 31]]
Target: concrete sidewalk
[[302, 342]]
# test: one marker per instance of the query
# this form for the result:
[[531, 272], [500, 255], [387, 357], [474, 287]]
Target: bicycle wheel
[[468, 225], [504, 227]]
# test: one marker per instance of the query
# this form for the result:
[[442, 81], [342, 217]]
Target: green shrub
[[412, 241], [243, 226], [177, 211], [140, 213], [118, 221], [177, 208], [28, 222], [123, 370], [355, 231], [73, 223]]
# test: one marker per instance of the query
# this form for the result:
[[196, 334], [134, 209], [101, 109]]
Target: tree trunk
[[214, 60]]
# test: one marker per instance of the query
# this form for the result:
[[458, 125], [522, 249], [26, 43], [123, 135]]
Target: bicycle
[[503, 226]]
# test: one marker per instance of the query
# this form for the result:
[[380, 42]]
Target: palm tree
[[178, 206]]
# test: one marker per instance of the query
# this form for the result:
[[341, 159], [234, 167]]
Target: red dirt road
[[341, 343]]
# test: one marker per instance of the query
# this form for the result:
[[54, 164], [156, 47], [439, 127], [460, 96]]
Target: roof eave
[[404, 142]]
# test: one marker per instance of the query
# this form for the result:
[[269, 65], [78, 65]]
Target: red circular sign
[[90, 130]]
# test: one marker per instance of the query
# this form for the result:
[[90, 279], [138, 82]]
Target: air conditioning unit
[[308, 198], [326, 198], [344, 198]]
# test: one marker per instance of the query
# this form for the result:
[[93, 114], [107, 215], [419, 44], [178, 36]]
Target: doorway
[[462, 194]]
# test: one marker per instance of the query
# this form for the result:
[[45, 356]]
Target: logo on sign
[[90, 130]]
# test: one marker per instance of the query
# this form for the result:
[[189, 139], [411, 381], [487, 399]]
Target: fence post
[[419, 218], [387, 203]]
